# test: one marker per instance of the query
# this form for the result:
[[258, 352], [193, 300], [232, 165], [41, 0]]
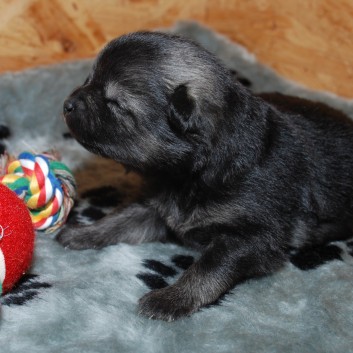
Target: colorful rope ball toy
[[46, 186]]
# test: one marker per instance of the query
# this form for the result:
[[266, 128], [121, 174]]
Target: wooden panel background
[[310, 41]]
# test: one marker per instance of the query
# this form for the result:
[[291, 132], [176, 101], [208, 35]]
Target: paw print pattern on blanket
[[28, 288], [158, 273], [312, 257], [94, 204]]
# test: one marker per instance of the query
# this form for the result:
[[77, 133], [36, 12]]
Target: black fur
[[243, 178]]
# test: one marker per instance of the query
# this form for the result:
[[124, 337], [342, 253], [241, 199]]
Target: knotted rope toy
[[46, 186]]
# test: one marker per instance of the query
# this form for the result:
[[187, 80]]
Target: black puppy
[[228, 173]]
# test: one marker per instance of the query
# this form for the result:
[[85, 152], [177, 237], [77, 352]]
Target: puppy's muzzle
[[71, 105], [74, 105]]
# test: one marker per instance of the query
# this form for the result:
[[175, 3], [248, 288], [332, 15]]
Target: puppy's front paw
[[167, 304], [76, 238]]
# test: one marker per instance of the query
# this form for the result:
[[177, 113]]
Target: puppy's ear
[[181, 108]]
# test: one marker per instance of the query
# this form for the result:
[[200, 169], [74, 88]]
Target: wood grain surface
[[309, 41]]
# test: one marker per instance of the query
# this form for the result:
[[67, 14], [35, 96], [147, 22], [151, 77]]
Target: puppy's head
[[150, 101]]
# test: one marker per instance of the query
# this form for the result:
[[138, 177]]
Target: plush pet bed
[[85, 301]]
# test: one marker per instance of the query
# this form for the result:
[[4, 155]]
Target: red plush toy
[[16, 238]]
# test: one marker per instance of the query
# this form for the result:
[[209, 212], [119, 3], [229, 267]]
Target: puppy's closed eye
[[181, 108], [114, 103]]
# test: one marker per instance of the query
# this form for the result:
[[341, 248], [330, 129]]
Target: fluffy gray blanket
[[85, 301]]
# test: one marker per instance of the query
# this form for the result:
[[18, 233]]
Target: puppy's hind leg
[[134, 224]]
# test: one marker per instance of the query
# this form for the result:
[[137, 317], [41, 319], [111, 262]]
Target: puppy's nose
[[69, 105]]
